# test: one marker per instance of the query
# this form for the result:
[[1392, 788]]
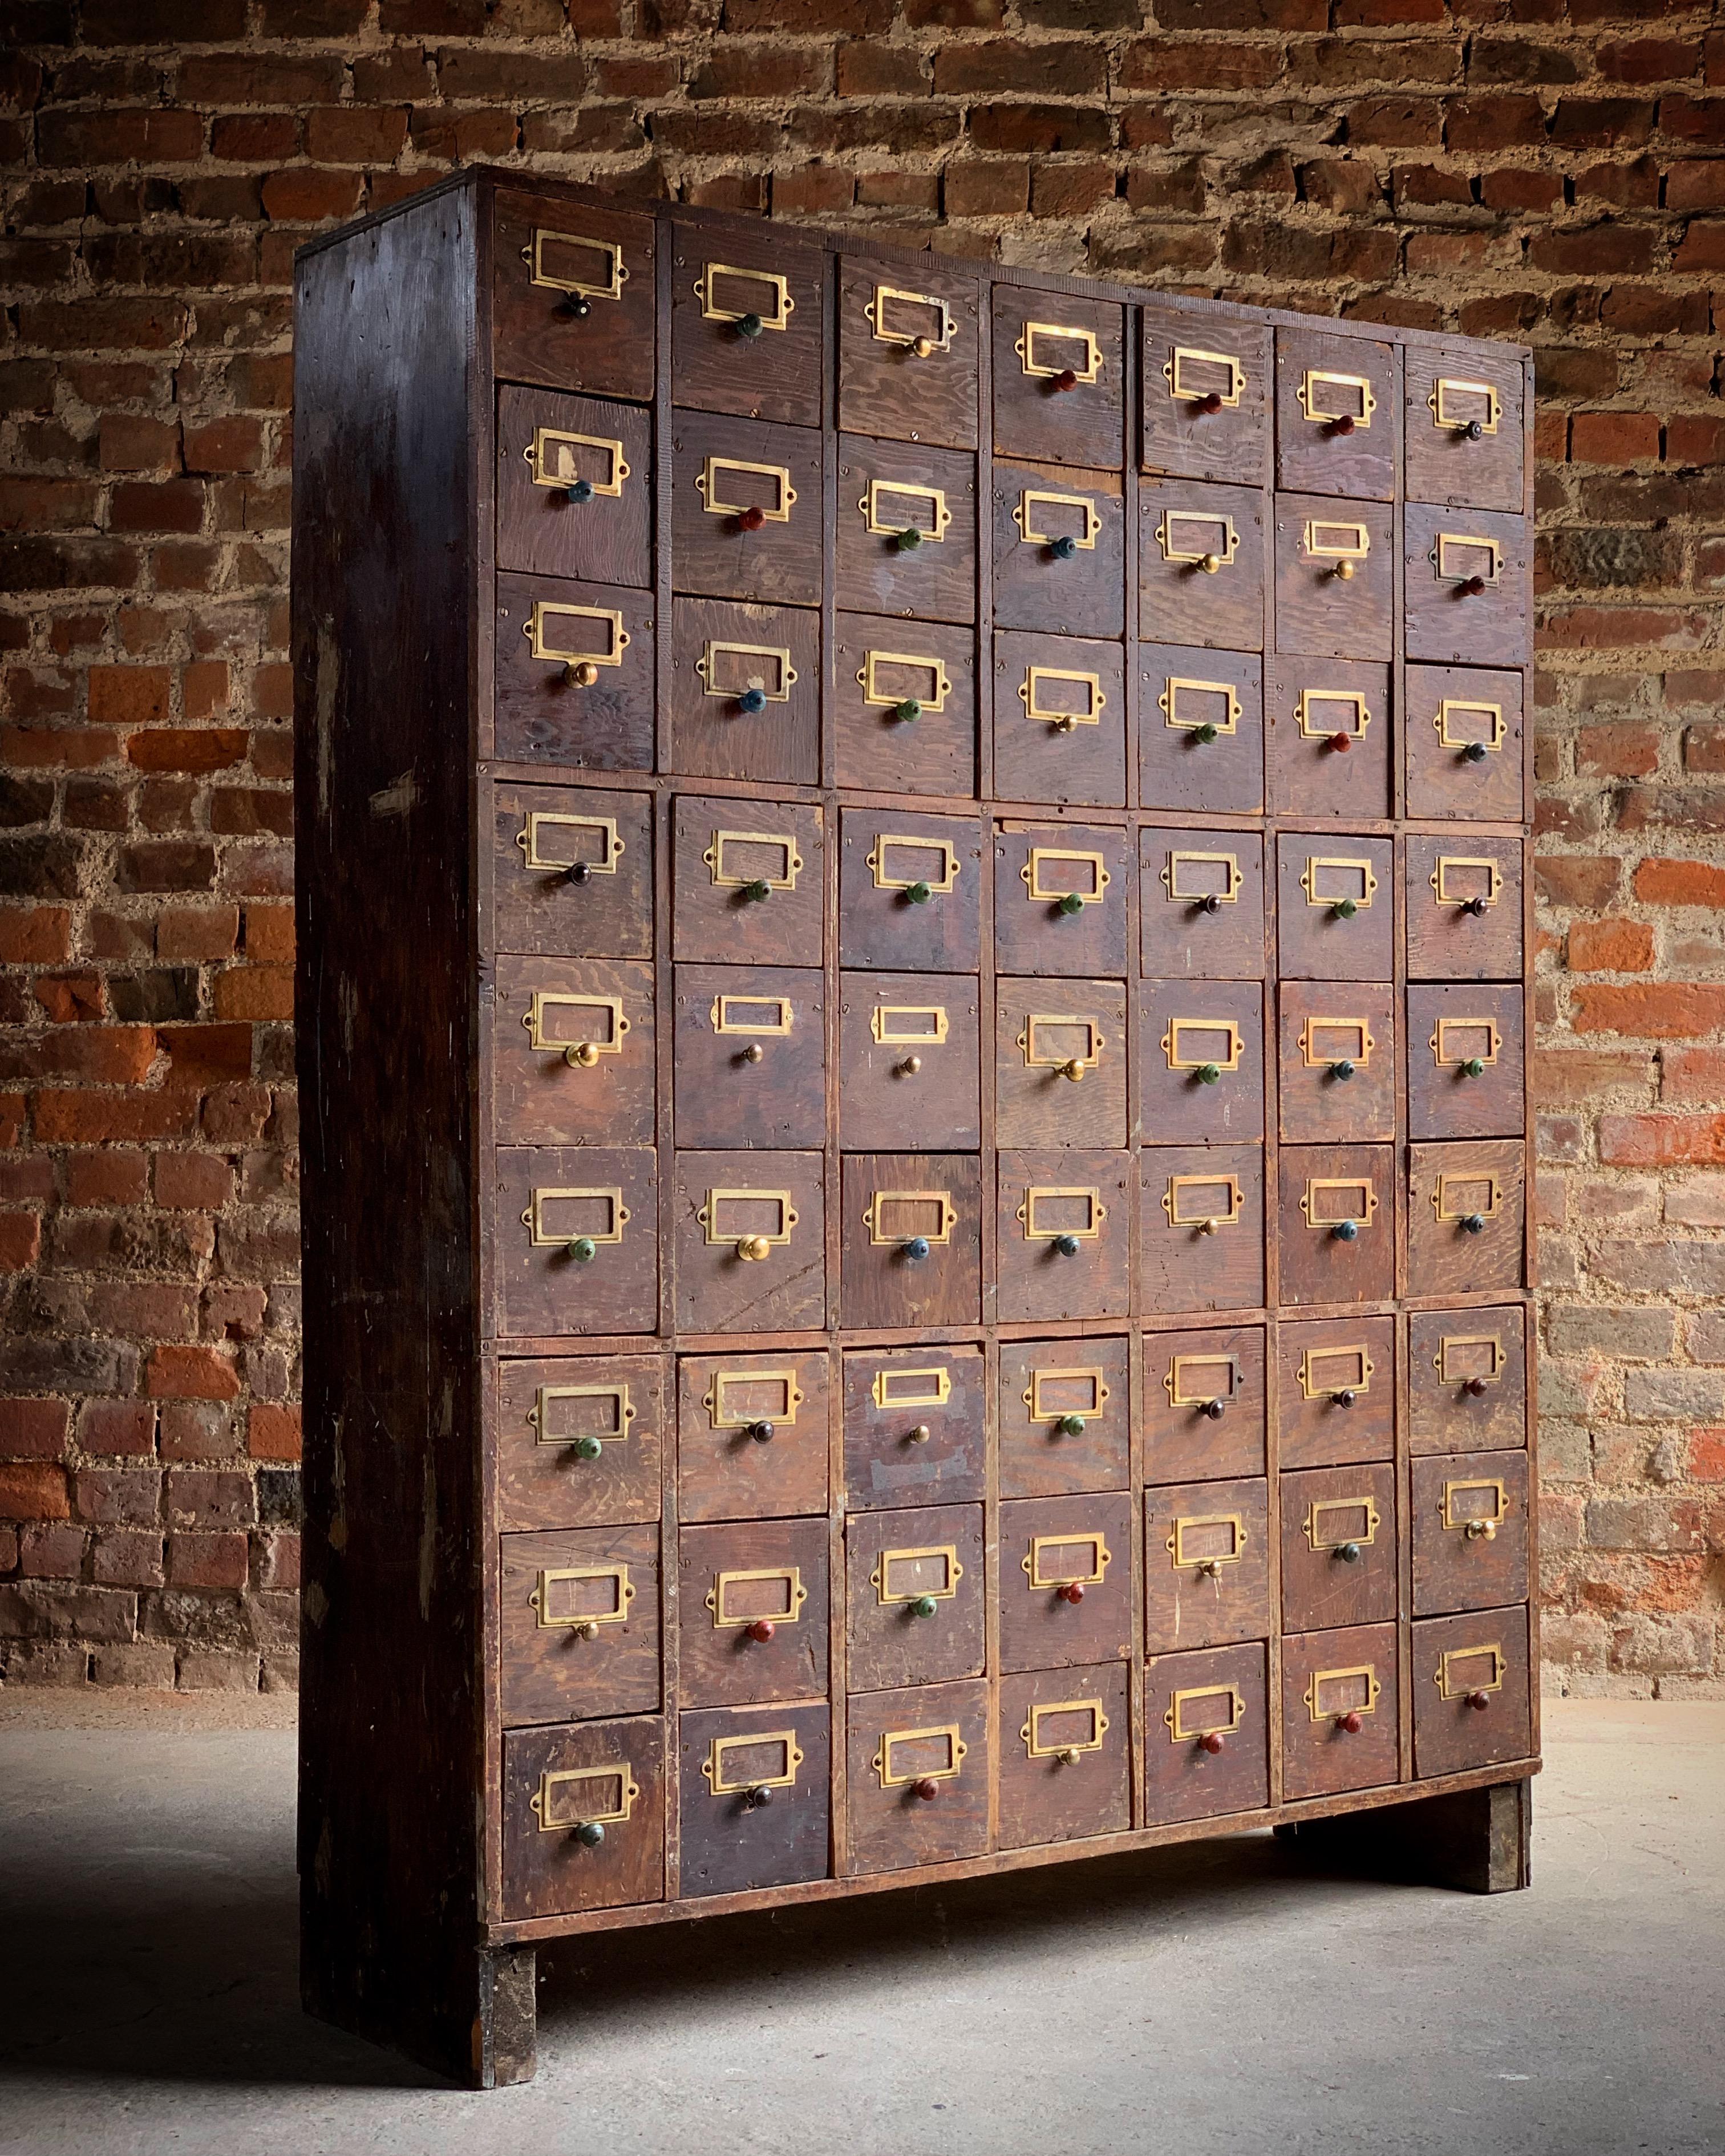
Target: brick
[[107, 1427], [1613, 438], [20, 1241], [273, 1432], [193, 1182], [33, 1429], [1609, 946], [1661, 882], [208, 1560], [1660, 1141], [130, 695], [1619, 1334], [1692, 1073], [186, 748], [32, 1490], [109, 1177], [194, 1373]]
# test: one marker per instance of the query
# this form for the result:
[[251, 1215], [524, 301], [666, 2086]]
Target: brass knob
[[919, 1433], [1208, 1569], [589, 1630], [923, 347], [753, 1052], [1064, 723], [910, 1066], [752, 1249], [583, 677], [1071, 1756], [1210, 563], [1342, 572], [1485, 1531], [1207, 1227], [581, 1053], [1073, 1069]]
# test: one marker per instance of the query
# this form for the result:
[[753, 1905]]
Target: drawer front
[[745, 691], [1206, 1564], [1059, 899], [1201, 729], [1464, 908], [1201, 1237], [1338, 1547], [1066, 1581], [749, 1062], [573, 302], [751, 1436], [1465, 1216], [1058, 538], [914, 1595], [1201, 1059], [1203, 1405], [578, 1239], [1202, 897], [572, 1055], [1202, 553], [754, 1798], [746, 510], [1064, 1744], [1336, 1391], [1338, 409], [578, 1615], [914, 1426], [908, 352], [579, 1441], [747, 319], [1337, 1061], [749, 1241], [1465, 434], [910, 892], [1469, 1531], [1060, 1062], [905, 706], [583, 1816], [910, 1061], [1464, 1075], [1472, 1696], [574, 674], [1206, 396], [1467, 1380], [749, 883], [1335, 907], [911, 1239], [1060, 720], [1335, 577], [1464, 744], [753, 1624], [1339, 1710], [1330, 737], [916, 1775], [1065, 1417], [1338, 1227], [906, 527], [574, 487], [572, 871], [1064, 1235], [1469, 587], [1059, 377], [1206, 1734]]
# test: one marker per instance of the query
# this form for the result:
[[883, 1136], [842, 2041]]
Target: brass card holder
[[1336, 542], [1338, 879], [1324, 1372], [1040, 679], [729, 874], [1203, 1043], [928, 1388], [1464, 1358], [1187, 1202], [1322, 1041], [1191, 878], [1088, 879], [1045, 1566], [1456, 872], [716, 483], [1195, 1381], [1458, 557], [1326, 396], [900, 876], [723, 1781], [1327, 1523], [554, 456], [1063, 1746], [932, 696], [773, 678], [1190, 376], [1457, 1040], [1198, 1710], [553, 633], [889, 1596], [751, 1243], [1321, 714], [1481, 724], [1458, 1512], [1329, 1201], [1042, 366], [776, 312], [550, 1619], [541, 1234], [924, 340], [601, 861], [1466, 1193], [1454, 405], [1176, 688], [1198, 538], [1458, 1677], [560, 1803], [545, 1399], [1361, 1695], [1052, 1055], [752, 1015], [1028, 518], [908, 1025], [1040, 1196], [916, 1202], [1090, 1405], [593, 1043], [787, 1610], [931, 502], [723, 1412], [603, 280], [893, 1774], [1194, 1542]]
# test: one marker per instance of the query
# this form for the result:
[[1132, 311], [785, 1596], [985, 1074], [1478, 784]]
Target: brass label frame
[[1168, 703], [708, 1216], [1468, 1177], [533, 1220], [1031, 1565], [721, 1415], [1030, 695], [1184, 1389], [552, 1782], [1029, 535], [546, 1397], [1030, 875], [933, 497], [1173, 1199], [550, 1576], [716, 647], [1317, 398], [891, 1778], [1446, 573], [875, 313], [1440, 1361], [868, 677], [1459, 1689], [727, 878], [1449, 385], [1443, 1055], [1319, 1187], [720, 1015], [1448, 862], [783, 305], [1313, 1694], [880, 868], [544, 999], [616, 270], [1319, 543], [1043, 370], [544, 439], [1183, 356], [1042, 1193], [1031, 1733], [888, 1597], [1450, 707], [708, 486], [1348, 863], [1216, 519], [1039, 1059], [1041, 1411], [527, 838], [795, 1595], [1186, 858], [1316, 1059], [537, 629], [880, 1200], [1182, 1560], [1181, 1731], [1318, 1537], [1496, 1517], [1312, 1387], [935, 1389], [1311, 702], [1180, 1058], [885, 1035], [714, 1770]]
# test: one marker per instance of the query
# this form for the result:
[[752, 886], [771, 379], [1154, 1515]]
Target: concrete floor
[[1218, 1998]]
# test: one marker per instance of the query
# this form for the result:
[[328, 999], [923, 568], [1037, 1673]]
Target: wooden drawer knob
[[1211, 1743], [915, 1249], [1474, 752], [927, 1790], [1065, 379], [751, 518], [588, 1448], [751, 700], [908, 711], [908, 540], [1479, 1701], [1342, 1070], [1350, 1724], [1342, 426]]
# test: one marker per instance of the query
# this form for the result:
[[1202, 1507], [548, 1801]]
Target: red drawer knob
[[1342, 426], [927, 1790], [1072, 1591], [1470, 587], [1211, 402], [1350, 1722], [751, 518], [761, 1630], [1065, 379], [1479, 1701], [1339, 744], [1475, 1388], [1212, 1742]]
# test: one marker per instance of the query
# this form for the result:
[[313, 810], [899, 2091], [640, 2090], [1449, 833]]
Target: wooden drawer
[[1337, 1223], [914, 1426], [748, 312], [572, 871], [1469, 1531], [574, 674], [1464, 908], [1338, 1547], [748, 882], [1066, 1581], [910, 1061], [917, 1776], [578, 1615], [1064, 1235], [1472, 1691], [1201, 729], [1336, 1391], [572, 1058], [1339, 1710], [1060, 720], [1060, 1062], [1059, 539], [1206, 1564], [751, 1436], [746, 510], [583, 1816], [914, 1596], [1469, 587], [1330, 737], [574, 487], [911, 1240], [1192, 1702], [1201, 551], [905, 706], [576, 1244], [1335, 579], [907, 352], [1059, 377], [1060, 898], [1335, 907], [1065, 1417], [753, 1624], [745, 692], [1201, 1244], [1337, 1061], [1201, 1060], [1206, 396], [573, 299], [906, 527], [749, 1237], [1063, 1745], [749, 1060], [1466, 429], [1467, 1380], [1464, 1075], [754, 1796], [1464, 746], [1338, 406], [910, 892], [1202, 1405], [579, 1441], [1202, 897], [1465, 1216]]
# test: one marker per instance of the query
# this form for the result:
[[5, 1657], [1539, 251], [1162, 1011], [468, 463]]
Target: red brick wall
[[1515, 167]]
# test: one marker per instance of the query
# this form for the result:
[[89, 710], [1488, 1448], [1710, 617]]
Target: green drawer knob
[[757, 892], [1344, 909], [916, 1248], [924, 1605], [749, 326], [909, 539], [1206, 733], [1475, 752], [1348, 1552], [1070, 1425], [1342, 1070], [918, 893], [1208, 1074], [1472, 1223], [589, 1833], [1066, 1245], [1064, 547], [753, 700], [588, 1448], [584, 1250], [1068, 904], [1346, 1231], [908, 711], [1474, 1067]]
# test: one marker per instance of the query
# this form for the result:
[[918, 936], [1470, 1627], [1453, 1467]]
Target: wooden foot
[[1477, 1840], [479, 2030]]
